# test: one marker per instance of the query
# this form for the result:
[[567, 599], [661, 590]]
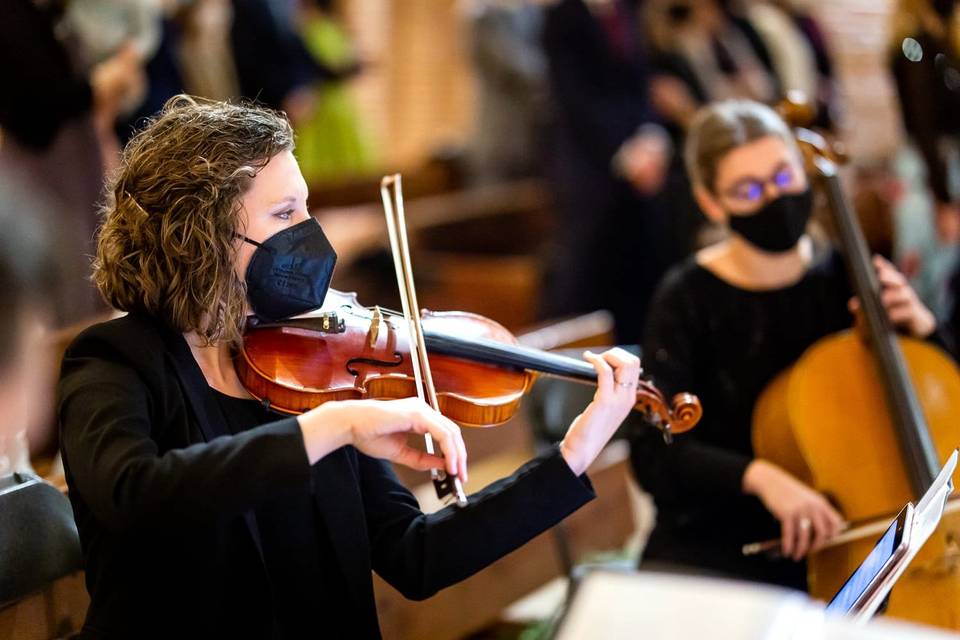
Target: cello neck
[[913, 435]]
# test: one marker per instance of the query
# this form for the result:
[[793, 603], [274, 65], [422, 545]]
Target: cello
[[866, 417]]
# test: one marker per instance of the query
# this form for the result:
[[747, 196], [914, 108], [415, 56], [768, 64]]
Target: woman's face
[[750, 176], [277, 199]]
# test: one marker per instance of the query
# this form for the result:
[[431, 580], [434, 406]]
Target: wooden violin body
[[298, 368], [346, 351]]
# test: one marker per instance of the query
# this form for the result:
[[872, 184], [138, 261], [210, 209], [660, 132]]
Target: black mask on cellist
[[290, 271], [778, 225]]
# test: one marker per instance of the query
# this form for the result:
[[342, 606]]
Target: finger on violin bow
[[804, 532], [451, 442], [420, 460], [822, 529], [788, 537]]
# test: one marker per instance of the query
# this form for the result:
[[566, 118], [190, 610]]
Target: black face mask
[[290, 272], [778, 225]]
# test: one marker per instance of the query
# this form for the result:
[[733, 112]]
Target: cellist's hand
[[618, 373], [903, 307], [807, 519], [379, 428]]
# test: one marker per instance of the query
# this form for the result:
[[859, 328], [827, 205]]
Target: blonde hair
[[720, 127], [166, 242]]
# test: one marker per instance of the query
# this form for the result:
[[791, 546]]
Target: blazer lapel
[[209, 417]]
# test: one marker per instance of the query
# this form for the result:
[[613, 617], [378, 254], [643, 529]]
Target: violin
[[346, 351]]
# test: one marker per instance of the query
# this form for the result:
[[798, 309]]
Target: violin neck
[[508, 355], [910, 424]]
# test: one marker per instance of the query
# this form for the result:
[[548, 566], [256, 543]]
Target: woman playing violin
[[200, 512], [724, 323]]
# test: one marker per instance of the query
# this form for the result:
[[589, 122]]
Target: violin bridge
[[375, 323]]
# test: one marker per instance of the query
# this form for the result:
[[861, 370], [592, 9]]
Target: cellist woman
[[723, 324], [201, 514]]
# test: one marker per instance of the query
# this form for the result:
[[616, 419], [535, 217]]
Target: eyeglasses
[[752, 190]]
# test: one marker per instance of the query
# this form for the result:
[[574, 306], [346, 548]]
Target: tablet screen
[[865, 574]]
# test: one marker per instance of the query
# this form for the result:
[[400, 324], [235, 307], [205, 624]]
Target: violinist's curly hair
[[166, 243]]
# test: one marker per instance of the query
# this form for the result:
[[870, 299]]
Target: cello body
[[825, 420]]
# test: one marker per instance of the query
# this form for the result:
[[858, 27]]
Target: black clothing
[[930, 103], [270, 57], [41, 90], [183, 525], [724, 344], [607, 233], [294, 539], [675, 64]]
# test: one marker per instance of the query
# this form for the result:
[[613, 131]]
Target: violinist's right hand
[[807, 519], [379, 428]]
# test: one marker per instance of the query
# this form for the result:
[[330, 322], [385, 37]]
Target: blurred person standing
[[272, 62], [798, 52], [511, 70], [608, 159], [331, 143], [701, 52], [925, 60], [27, 276], [712, 51], [53, 119]]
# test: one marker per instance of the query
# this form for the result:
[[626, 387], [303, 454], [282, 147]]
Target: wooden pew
[[55, 612]]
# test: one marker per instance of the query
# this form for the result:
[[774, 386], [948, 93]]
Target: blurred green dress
[[332, 144]]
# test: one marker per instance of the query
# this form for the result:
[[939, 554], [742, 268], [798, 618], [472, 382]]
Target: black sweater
[[725, 345], [165, 499]]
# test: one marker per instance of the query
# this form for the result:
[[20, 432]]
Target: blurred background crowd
[[584, 102]]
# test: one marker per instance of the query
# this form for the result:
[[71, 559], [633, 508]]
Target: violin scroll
[[680, 415], [687, 412]]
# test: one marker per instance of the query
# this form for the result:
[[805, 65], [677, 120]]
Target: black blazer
[[160, 492]]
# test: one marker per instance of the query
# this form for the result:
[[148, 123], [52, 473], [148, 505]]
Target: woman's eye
[[783, 178], [752, 191], [284, 215]]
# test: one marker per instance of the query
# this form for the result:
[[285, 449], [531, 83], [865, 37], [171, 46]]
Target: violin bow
[[392, 194]]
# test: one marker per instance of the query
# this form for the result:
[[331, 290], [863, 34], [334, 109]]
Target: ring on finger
[[805, 524]]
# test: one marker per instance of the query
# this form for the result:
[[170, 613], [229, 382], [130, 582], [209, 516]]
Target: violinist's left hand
[[618, 374], [903, 307]]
